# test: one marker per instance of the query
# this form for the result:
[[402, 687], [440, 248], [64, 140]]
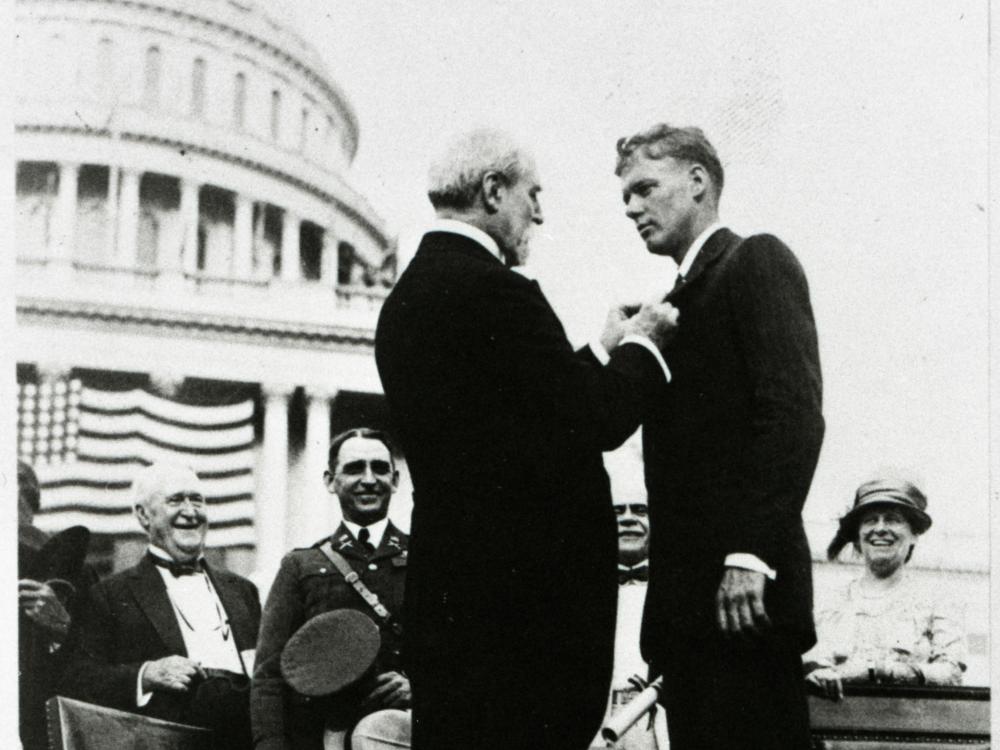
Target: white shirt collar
[[696, 247], [375, 530], [467, 230]]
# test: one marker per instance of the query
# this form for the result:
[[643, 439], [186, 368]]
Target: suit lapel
[[236, 610], [149, 591], [714, 248]]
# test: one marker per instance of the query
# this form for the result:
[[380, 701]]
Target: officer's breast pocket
[[399, 561], [319, 586]]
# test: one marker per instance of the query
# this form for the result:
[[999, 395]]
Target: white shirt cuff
[[750, 562], [633, 338], [599, 351], [141, 698]]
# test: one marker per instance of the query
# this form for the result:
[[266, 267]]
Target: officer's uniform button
[[372, 566]]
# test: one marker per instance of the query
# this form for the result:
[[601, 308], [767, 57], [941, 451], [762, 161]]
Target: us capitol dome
[[187, 233]]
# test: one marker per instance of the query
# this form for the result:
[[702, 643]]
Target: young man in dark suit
[[730, 449], [510, 598], [170, 637]]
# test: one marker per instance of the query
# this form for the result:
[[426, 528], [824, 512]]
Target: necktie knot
[[364, 539]]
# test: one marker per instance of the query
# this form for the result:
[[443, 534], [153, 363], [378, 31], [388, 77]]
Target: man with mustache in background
[[158, 638], [730, 449]]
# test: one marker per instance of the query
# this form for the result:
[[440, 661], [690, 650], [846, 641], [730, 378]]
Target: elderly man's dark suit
[[308, 585], [730, 450], [128, 620], [510, 599]]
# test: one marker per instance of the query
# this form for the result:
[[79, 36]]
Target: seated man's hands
[[392, 690], [657, 321], [171, 673], [39, 603], [740, 602]]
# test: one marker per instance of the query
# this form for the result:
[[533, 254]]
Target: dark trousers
[[734, 693]]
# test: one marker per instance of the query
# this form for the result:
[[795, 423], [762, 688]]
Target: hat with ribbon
[[882, 492], [330, 652]]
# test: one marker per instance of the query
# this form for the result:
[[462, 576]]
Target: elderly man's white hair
[[456, 175], [155, 477]]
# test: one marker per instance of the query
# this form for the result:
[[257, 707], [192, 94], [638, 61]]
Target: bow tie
[[177, 569], [630, 575]]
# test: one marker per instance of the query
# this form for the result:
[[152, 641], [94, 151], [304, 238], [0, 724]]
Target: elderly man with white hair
[[170, 637], [511, 589]]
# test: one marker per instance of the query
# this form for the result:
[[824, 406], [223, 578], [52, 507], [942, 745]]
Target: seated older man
[[888, 627], [170, 637]]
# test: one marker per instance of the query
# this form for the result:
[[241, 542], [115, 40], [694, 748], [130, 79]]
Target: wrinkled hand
[[40, 603], [657, 321], [829, 681], [392, 690], [740, 602], [171, 673], [615, 325]]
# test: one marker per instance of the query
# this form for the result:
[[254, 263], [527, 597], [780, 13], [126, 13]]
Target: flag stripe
[[88, 445], [165, 408], [153, 417], [108, 492], [203, 465], [135, 435], [89, 472], [219, 508], [92, 424]]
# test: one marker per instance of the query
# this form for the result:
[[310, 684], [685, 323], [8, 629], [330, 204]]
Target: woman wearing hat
[[888, 627]]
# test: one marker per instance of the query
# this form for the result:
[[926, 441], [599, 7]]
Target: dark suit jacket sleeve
[[92, 673], [601, 405], [777, 334], [282, 616]]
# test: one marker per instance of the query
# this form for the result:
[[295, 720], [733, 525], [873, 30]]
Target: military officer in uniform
[[362, 474]]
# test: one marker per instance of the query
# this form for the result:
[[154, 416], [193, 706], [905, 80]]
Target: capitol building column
[[315, 511], [128, 218], [272, 487], [65, 214], [243, 237], [189, 222], [290, 260]]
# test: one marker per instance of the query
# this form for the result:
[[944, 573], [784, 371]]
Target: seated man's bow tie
[[640, 573], [178, 569]]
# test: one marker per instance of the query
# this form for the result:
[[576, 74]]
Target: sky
[[855, 132]]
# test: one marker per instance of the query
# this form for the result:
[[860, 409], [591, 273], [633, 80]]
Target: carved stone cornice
[[195, 325]]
